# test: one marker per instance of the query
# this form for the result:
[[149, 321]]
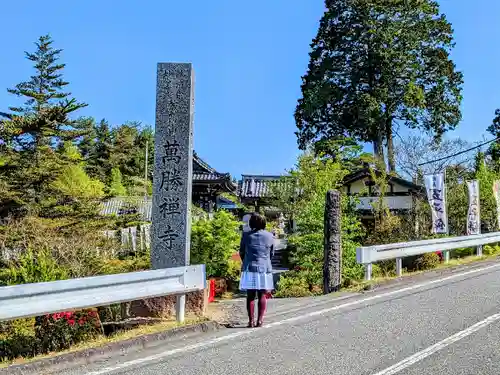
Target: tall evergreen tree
[[33, 133], [44, 118], [375, 64], [47, 84], [494, 149]]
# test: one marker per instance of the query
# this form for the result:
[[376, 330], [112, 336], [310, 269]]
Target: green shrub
[[376, 270], [234, 270], [463, 252], [48, 250], [491, 249], [386, 268], [140, 262], [308, 250], [33, 267], [18, 339], [427, 261], [213, 242], [292, 285]]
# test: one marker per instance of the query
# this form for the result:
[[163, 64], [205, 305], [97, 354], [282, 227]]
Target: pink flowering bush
[[61, 330]]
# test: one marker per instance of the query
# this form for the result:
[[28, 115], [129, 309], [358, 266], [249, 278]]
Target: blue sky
[[248, 58]]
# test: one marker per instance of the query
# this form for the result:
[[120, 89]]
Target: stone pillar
[[173, 169], [173, 166], [332, 267]]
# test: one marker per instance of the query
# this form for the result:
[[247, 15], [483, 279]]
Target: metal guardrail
[[367, 255], [20, 301]]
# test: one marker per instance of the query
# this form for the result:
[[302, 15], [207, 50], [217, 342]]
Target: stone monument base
[[164, 307]]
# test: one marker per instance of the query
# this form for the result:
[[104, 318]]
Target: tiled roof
[[255, 186], [365, 172], [204, 173], [199, 165], [127, 205], [197, 176]]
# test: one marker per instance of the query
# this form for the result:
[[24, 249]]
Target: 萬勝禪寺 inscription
[[172, 182]]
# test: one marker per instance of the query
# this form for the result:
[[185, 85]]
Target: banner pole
[[445, 193]]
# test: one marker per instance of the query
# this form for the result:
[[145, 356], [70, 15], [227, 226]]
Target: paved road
[[441, 325]]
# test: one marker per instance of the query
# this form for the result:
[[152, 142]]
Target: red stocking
[[262, 306], [251, 294]]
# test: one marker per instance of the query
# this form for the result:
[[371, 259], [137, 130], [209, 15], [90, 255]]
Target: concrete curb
[[88, 356]]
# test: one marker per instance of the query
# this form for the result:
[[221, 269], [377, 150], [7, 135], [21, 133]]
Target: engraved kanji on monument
[[173, 169]]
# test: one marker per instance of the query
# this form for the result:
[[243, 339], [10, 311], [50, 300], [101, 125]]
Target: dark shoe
[[251, 325], [259, 324]]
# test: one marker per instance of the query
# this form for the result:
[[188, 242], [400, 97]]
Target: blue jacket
[[256, 250]]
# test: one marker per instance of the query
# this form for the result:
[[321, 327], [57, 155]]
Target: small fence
[[370, 254], [132, 238]]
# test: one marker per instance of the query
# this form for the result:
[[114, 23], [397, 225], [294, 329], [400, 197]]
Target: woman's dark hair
[[257, 222]]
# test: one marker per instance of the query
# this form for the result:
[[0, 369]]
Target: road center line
[[245, 332], [407, 362]]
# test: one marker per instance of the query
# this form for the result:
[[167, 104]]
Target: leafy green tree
[[303, 195], [137, 160], [494, 149], [74, 183], [375, 64], [73, 192], [116, 188], [352, 155], [486, 175]]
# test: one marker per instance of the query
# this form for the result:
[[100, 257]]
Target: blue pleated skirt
[[256, 281]]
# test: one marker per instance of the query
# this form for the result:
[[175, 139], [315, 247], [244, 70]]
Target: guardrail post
[[479, 251], [446, 256], [368, 272], [180, 308], [399, 267]]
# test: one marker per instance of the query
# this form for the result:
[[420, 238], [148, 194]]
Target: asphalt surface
[[389, 331]]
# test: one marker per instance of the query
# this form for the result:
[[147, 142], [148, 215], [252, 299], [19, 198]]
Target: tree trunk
[[390, 145], [332, 264], [378, 150]]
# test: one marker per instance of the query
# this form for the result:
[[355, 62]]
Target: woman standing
[[256, 249]]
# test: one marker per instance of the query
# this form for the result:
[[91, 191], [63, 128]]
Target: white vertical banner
[[496, 194], [434, 184], [474, 214]]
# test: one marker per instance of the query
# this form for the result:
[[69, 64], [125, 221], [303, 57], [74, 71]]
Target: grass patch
[[103, 340]]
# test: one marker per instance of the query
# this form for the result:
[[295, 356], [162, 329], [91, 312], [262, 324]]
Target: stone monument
[[173, 168]]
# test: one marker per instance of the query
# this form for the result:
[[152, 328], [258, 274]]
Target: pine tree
[[33, 134], [375, 64], [43, 120], [47, 84], [97, 158]]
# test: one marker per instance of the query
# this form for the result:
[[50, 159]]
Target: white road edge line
[[171, 352], [407, 362]]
